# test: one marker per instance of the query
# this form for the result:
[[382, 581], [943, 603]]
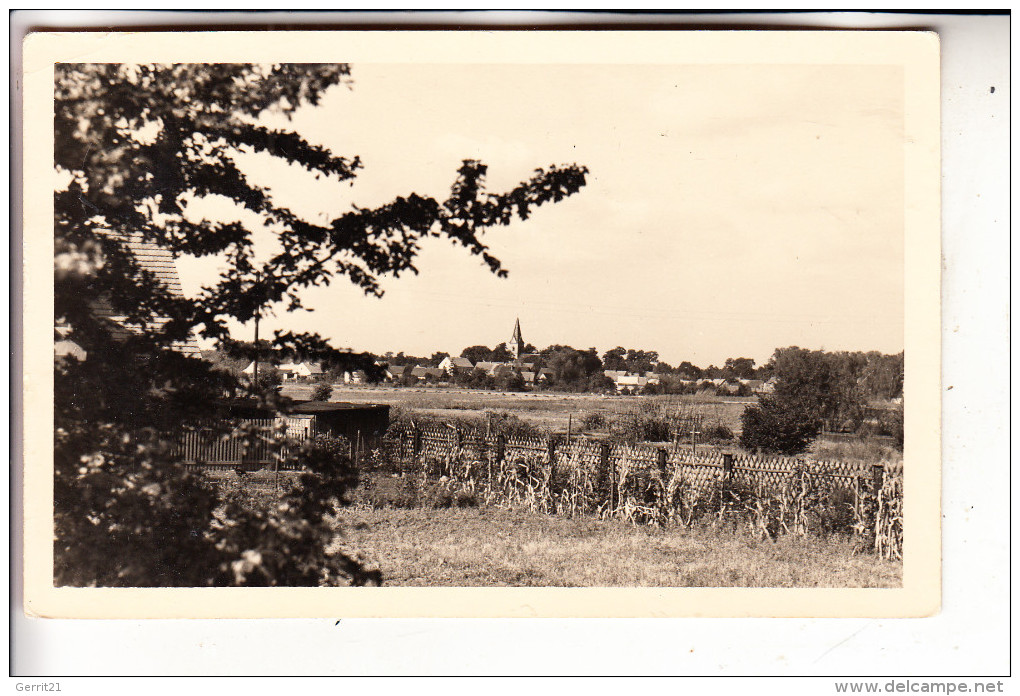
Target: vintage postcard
[[471, 324]]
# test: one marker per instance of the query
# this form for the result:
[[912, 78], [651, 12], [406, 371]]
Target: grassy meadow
[[548, 410], [556, 411], [495, 547]]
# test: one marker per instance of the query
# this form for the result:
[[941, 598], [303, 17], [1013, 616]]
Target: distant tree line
[[858, 376]]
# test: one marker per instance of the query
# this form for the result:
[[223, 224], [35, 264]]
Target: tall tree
[[476, 354], [500, 354], [138, 144], [739, 368], [615, 358]]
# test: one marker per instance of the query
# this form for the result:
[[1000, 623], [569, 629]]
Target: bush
[[105, 504], [322, 392], [505, 423], [776, 428], [269, 380], [595, 420], [891, 423], [717, 433]]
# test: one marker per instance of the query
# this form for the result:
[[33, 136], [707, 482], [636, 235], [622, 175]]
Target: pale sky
[[730, 210]]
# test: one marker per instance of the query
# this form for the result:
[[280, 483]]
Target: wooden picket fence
[[652, 484], [248, 444]]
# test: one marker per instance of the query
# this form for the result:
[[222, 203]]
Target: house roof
[[460, 362], [485, 365], [631, 381], [422, 371], [398, 370], [161, 264], [528, 376]]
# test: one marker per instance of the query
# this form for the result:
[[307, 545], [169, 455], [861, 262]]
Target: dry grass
[[511, 548], [863, 449]]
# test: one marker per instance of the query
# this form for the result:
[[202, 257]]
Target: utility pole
[[255, 371]]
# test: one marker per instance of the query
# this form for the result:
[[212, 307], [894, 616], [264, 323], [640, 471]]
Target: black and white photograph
[[434, 323]]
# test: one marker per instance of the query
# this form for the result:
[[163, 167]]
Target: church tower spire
[[516, 343]]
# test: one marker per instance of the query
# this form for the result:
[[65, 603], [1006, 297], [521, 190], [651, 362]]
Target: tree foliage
[[137, 145], [824, 386], [776, 426]]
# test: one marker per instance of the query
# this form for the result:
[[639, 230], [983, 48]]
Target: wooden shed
[[363, 424]]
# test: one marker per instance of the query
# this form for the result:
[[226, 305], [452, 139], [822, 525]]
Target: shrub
[[322, 392], [891, 423], [269, 380], [505, 423], [717, 433], [774, 427], [105, 502], [595, 420]]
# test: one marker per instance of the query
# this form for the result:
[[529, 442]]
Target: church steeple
[[516, 343]]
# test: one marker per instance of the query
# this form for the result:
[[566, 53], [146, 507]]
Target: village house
[[152, 259], [755, 385], [421, 372], [627, 382], [395, 372], [452, 366], [291, 372], [355, 377]]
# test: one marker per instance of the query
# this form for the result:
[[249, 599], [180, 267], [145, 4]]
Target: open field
[[489, 546], [554, 410], [550, 410]]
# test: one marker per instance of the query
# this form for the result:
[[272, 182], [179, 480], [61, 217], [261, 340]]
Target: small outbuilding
[[362, 424]]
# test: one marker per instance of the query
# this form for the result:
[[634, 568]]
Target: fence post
[[877, 478], [727, 466], [662, 459], [415, 442], [500, 454], [609, 467], [551, 454]]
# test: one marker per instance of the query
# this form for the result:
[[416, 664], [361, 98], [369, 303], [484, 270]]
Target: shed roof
[[332, 406]]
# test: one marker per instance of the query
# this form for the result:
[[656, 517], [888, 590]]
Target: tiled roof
[[161, 264]]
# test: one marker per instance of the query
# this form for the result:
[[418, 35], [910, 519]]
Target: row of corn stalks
[[803, 502]]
